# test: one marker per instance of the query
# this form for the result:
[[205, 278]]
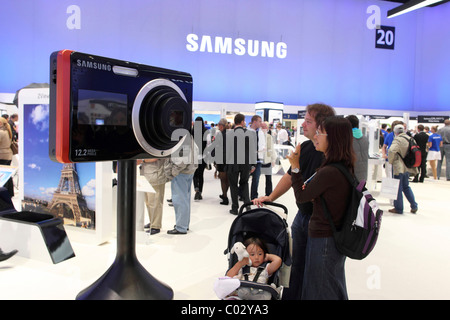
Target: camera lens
[[159, 109], [156, 112]]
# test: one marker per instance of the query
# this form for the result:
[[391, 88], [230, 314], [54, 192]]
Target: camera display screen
[[102, 108]]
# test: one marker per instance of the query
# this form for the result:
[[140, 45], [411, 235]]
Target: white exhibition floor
[[410, 261]]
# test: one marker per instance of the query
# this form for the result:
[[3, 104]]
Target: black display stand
[[126, 279], [51, 229]]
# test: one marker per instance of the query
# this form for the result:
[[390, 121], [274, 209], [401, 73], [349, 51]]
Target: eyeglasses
[[320, 134]]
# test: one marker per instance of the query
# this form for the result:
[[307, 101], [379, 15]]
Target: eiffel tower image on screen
[[68, 196]]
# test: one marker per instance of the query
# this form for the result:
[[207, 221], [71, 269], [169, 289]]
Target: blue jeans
[[403, 187], [181, 200], [445, 152], [255, 181], [299, 232], [324, 271]]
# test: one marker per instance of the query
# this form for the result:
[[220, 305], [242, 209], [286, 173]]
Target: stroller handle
[[269, 203]]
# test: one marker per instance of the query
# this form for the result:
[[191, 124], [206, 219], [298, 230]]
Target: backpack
[[413, 156], [361, 223]]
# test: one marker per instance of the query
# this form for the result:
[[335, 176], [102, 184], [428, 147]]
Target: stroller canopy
[[266, 225]]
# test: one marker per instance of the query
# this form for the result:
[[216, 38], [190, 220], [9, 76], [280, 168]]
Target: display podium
[[35, 235]]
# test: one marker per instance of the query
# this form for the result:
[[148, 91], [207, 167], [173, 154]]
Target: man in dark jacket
[[241, 160], [421, 139]]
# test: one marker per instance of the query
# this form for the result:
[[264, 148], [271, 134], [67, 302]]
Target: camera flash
[[124, 71]]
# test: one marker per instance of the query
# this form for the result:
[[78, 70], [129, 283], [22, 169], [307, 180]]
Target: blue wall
[[432, 89], [325, 50]]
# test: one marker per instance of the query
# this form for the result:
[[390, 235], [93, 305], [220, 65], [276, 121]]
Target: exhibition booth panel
[[79, 194]]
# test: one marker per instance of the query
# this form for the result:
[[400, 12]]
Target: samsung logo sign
[[94, 65], [238, 46]]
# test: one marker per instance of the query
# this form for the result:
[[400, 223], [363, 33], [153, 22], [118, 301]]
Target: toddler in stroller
[[265, 234], [262, 266]]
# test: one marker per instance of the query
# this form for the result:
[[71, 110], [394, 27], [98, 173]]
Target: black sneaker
[[175, 231], [198, 196], [154, 231]]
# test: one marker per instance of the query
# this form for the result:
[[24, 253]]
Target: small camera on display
[[105, 109]]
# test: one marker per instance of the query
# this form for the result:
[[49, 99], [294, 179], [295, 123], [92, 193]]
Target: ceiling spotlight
[[410, 6]]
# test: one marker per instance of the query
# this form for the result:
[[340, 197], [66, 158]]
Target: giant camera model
[[105, 109]]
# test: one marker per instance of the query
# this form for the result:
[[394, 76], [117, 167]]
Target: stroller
[[269, 226]]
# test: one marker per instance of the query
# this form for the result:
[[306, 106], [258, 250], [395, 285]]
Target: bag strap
[[405, 138], [350, 177], [353, 182], [328, 214], [409, 147]]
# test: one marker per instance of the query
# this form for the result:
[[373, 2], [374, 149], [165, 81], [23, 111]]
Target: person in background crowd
[[6, 153], [421, 138], [153, 171], [397, 151], [361, 149], [383, 129], [310, 160], [434, 151], [270, 157], [12, 123], [260, 149], [213, 129], [220, 138], [383, 134], [199, 173], [179, 169], [239, 145], [385, 150], [282, 135], [445, 150]]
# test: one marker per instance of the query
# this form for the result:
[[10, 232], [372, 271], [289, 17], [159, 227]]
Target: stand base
[[126, 280]]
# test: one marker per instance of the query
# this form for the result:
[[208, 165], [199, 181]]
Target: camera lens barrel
[[157, 101]]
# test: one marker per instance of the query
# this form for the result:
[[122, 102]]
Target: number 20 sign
[[385, 37]]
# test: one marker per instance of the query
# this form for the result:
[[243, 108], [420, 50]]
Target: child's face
[[256, 254]]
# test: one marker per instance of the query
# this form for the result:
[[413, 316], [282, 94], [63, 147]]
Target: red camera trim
[[63, 100]]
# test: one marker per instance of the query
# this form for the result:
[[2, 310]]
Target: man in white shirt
[[261, 148], [282, 135]]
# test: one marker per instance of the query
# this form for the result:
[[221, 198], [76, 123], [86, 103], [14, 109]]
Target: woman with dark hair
[[198, 175], [324, 276]]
